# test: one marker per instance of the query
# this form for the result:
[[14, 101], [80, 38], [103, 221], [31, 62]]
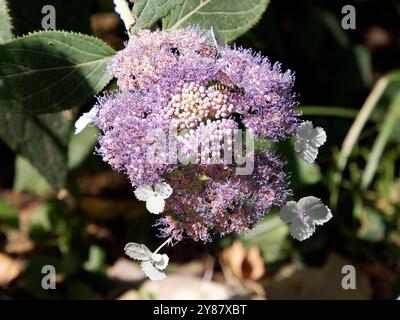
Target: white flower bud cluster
[[210, 142], [193, 103]]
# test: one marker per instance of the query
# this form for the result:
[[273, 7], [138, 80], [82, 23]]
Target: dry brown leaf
[[129, 295], [10, 269], [383, 279], [245, 264], [17, 242]]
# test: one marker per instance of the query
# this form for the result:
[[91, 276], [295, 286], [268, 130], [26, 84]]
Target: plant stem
[[163, 244]]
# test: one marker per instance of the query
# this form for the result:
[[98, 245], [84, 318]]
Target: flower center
[[304, 216], [194, 103]]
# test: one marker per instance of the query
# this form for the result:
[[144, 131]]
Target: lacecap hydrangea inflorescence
[[181, 81]]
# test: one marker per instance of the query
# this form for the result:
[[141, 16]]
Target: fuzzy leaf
[[231, 17], [148, 12], [42, 140], [51, 71]]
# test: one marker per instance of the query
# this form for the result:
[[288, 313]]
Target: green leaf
[[232, 17], [391, 121], [353, 134], [8, 214], [96, 260], [270, 235], [42, 140], [5, 23], [51, 71], [308, 173], [328, 111], [148, 12], [40, 223], [372, 225], [28, 179], [81, 146]]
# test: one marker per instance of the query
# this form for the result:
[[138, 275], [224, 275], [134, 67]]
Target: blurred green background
[[347, 81]]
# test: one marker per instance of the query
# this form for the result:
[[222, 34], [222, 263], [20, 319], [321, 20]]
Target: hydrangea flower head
[[178, 87]]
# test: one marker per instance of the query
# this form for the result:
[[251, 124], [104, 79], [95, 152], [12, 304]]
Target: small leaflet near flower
[[154, 197], [304, 215], [308, 140], [151, 264]]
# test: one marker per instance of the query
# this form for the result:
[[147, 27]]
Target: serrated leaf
[[5, 23], [51, 71], [232, 17], [148, 12], [42, 140]]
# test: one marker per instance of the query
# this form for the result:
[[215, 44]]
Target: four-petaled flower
[[304, 215], [308, 140], [154, 196], [152, 264]]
